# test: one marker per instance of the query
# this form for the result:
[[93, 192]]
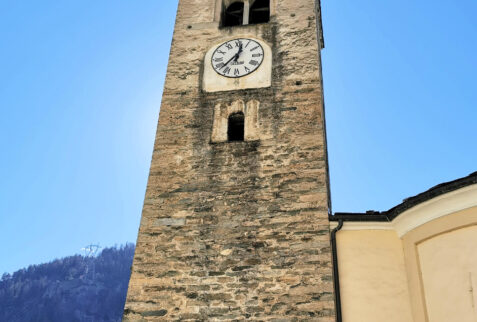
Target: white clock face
[[237, 58]]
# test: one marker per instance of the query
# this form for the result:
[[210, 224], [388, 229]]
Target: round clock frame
[[230, 52]]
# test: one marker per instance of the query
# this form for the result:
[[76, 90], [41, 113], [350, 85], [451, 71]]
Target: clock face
[[237, 58]]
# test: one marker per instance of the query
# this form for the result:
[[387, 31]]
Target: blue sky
[[80, 90]]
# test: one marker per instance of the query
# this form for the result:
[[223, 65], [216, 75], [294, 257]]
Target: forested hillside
[[75, 288]]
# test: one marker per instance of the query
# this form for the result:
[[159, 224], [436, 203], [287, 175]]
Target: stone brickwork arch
[[222, 113]]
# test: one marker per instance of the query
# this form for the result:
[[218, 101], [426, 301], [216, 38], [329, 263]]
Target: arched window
[[233, 14], [260, 11], [244, 12], [236, 127]]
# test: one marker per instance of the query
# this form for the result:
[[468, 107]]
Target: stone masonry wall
[[237, 231]]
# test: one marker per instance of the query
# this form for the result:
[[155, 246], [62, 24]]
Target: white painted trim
[[438, 207], [420, 214], [363, 225]]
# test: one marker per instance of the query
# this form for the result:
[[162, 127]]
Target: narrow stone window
[[233, 14], [260, 11], [236, 127]]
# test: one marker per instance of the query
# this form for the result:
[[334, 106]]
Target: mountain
[[75, 288]]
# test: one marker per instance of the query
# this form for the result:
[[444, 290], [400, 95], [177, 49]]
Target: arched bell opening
[[260, 12], [233, 14]]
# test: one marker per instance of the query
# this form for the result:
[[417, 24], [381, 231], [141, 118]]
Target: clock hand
[[239, 52], [228, 61], [234, 58]]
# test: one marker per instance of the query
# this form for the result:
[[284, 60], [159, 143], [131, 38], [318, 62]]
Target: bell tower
[[235, 219]]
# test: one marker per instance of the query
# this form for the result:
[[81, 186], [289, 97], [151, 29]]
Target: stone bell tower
[[235, 217]]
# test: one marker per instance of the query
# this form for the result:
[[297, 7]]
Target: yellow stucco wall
[[441, 260], [373, 277], [421, 267], [449, 275]]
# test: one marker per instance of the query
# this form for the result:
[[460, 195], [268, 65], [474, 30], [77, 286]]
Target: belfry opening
[[246, 12], [259, 12], [233, 14]]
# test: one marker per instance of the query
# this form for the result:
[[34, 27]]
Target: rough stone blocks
[[236, 231]]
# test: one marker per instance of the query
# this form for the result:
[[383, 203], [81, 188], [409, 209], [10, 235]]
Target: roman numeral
[[221, 52], [247, 69], [229, 46], [227, 70], [237, 43], [253, 62], [254, 48], [257, 55], [247, 44], [236, 72], [218, 59], [219, 66]]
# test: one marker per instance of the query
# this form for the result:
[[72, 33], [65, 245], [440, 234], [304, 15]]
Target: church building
[[237, 222], [416, 262]]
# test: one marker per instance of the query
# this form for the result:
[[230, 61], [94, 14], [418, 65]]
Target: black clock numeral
[[238, 43], [227, 70], [247, 44], [229, 46], [257, 55], [218, 59], [254, 48], [253, 62], [221, 52], [247, 69], [219, 66], [236, 72]]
